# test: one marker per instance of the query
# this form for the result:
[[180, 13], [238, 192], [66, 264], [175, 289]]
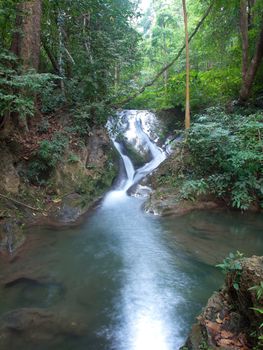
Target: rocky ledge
[[233, 316]]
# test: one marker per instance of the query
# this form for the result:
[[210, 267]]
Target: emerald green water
[[124, 279], [129, 280]]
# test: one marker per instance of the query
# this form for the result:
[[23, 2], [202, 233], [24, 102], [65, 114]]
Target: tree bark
[[252, 69], [50, 56], [244, 35], [26, 43], [26, 40], [187, 90]]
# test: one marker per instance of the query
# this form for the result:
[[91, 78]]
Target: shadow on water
[[123, 280]]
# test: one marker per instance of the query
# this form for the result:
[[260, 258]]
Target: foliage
[[259, 309], [193, 188], [18, 88], [215, 53], [73, 158], [225, 155], [232, 264], [46, 158], [258, 290], [94, 45], [88, 115]]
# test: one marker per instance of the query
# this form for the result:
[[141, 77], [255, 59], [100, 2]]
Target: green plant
[[225, 151], [258, 289], [193, 188], [18, 87], [86, 115], [46, 158], [73, 158], [232, 264]]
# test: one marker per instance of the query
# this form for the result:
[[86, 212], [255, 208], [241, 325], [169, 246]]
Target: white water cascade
[[146, 306], [134, 125]]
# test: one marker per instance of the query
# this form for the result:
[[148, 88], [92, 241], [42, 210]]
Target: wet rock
[[140, 191], [32, 292], [165, 204], [70, 209], [229, 319], [9, 178], [33, 274], [11, 236], [34, 324], [98, 148]]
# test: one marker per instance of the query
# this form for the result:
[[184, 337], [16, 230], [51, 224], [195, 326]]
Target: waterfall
[[132, 125]]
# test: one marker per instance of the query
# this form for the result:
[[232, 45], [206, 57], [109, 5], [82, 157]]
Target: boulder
[[230, 320], [38, 325]]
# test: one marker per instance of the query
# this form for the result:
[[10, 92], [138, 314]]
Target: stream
[[124, 279]]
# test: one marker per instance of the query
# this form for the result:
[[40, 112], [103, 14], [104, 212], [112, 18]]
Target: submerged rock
[[11, 236], [34, 325], [231, 319]]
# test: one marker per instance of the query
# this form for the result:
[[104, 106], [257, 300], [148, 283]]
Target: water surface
[[128, 280]]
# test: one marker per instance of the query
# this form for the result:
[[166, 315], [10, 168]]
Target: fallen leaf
[[56, 200]]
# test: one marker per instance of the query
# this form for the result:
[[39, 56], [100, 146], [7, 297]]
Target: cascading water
[[134, 130], [148, 299], [123, 280]]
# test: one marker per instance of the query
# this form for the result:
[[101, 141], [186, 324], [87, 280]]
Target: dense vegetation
[[221, 52], [222, 156], [65, 65]]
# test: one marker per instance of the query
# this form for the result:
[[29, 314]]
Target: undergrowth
[[222, 155]]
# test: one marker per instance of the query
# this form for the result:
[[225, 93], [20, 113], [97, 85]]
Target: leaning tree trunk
[[187, 98]]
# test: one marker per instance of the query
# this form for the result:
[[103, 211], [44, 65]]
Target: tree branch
[[169, 65], [20, 203]]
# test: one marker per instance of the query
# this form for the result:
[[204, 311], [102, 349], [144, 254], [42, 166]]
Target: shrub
[[46, 158], [18, 88], [225, 151]]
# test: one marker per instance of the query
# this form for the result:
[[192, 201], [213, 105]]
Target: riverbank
[[232, 318], [216, 163], [51, 177]]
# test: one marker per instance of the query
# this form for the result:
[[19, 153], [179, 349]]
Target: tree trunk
[[252, 70], [50, 55], [244, 35], [26, 40], [187, 98]]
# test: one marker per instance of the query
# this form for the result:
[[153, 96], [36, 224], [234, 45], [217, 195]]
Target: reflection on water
[[134, 280], [124, 280]]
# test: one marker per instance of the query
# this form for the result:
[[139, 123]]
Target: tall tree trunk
[[244, 35], [252, 69], [187, 98], [26, 43], [61, 62], [26, 40]]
